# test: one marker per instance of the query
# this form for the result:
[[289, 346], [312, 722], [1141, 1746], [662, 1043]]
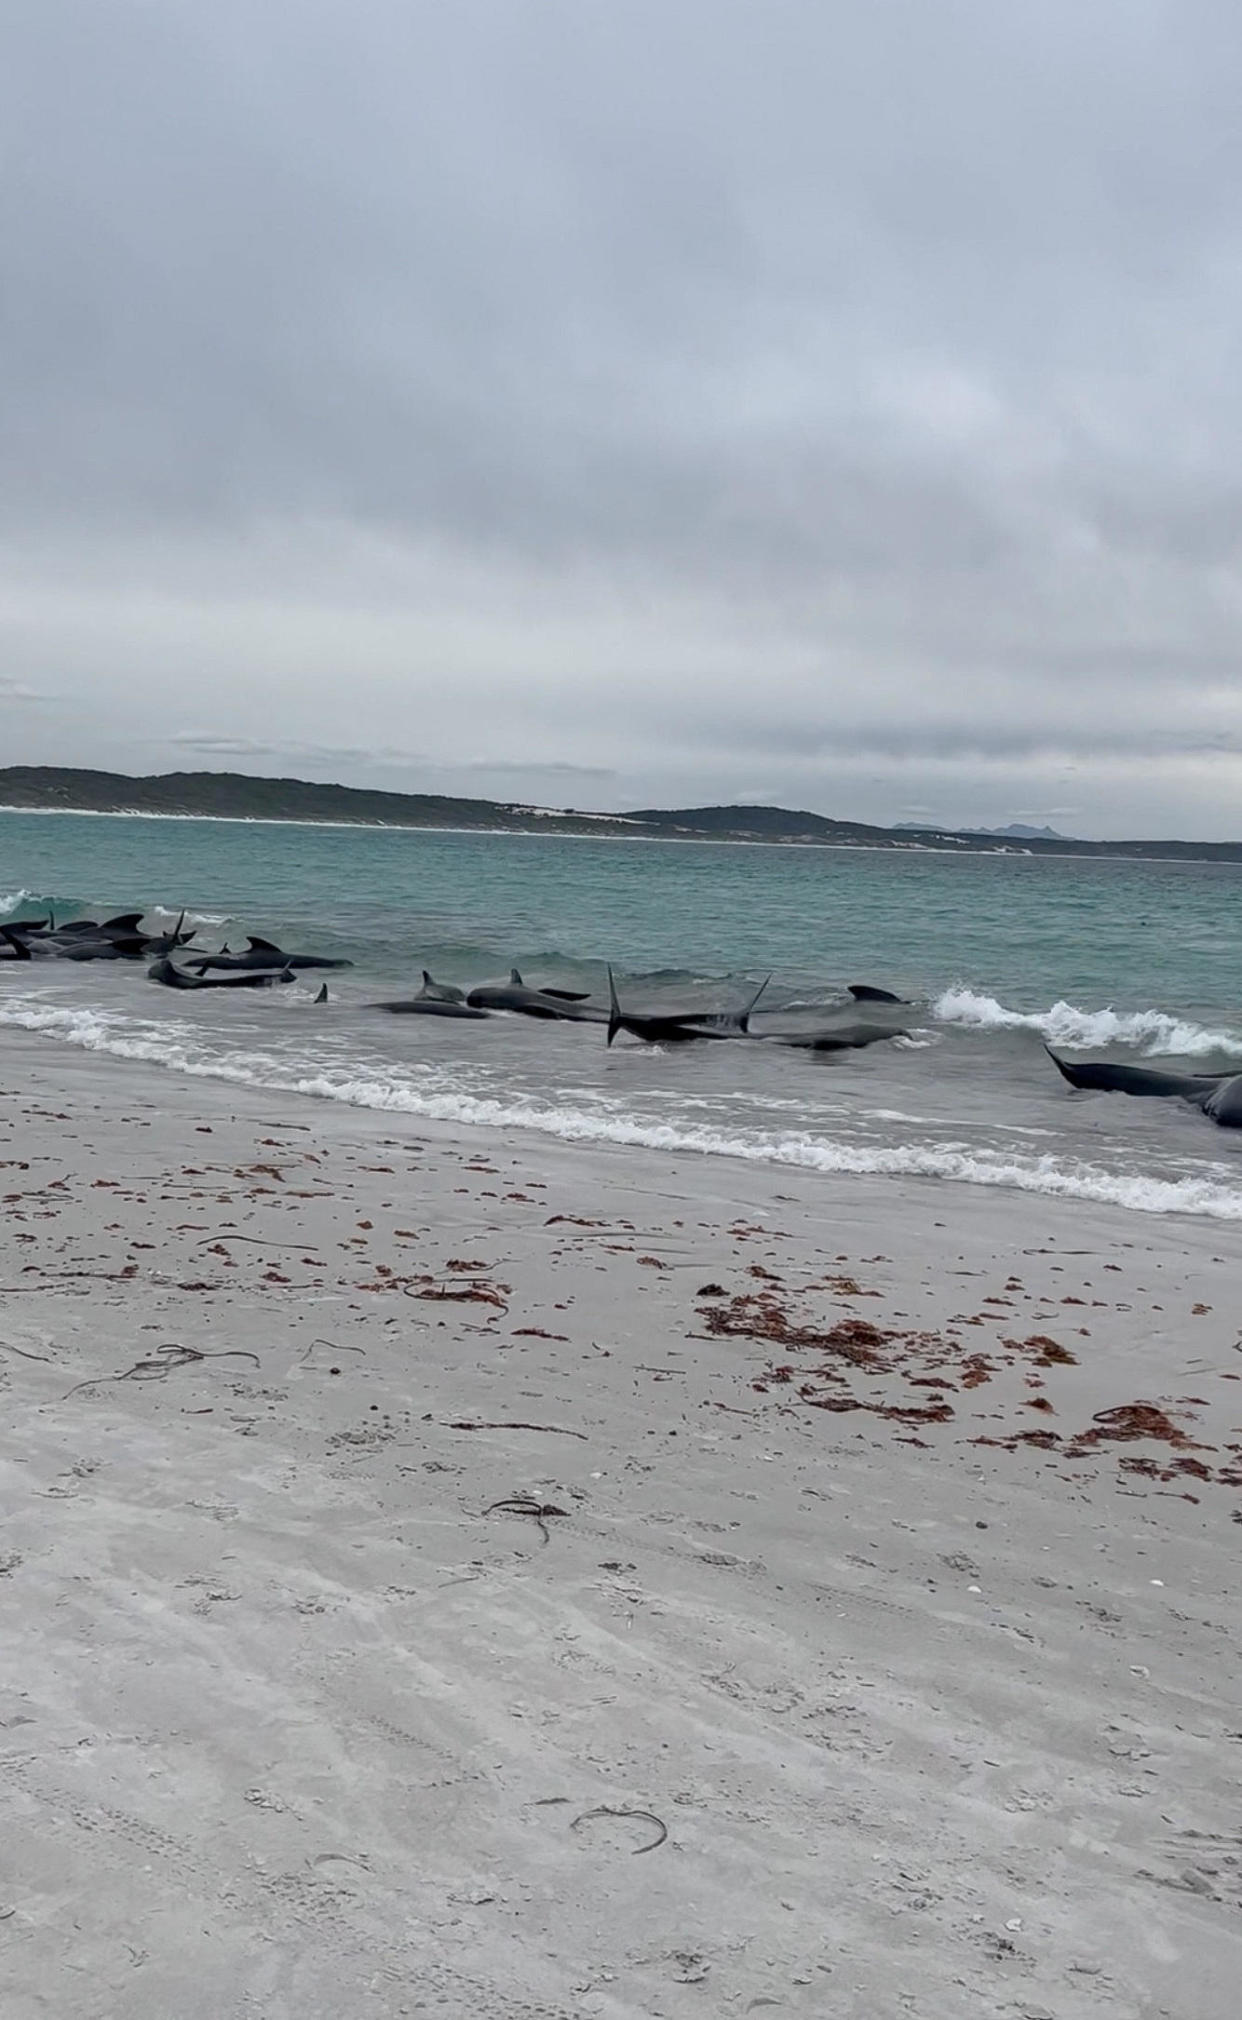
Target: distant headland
[[237, 796]]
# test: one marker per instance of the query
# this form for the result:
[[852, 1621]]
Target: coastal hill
[[237, 796]]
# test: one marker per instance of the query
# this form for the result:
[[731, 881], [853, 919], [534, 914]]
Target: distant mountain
[[1017, 831], [237, 796]]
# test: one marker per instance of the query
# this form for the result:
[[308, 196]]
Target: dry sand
[[937, 1723]]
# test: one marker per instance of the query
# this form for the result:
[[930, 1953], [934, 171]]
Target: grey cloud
[[308, 753], [553, 770], [225, 746], [888, 351]]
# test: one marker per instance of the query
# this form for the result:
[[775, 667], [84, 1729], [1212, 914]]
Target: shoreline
[[819, 1163], [405, 1528], [1006, 853]]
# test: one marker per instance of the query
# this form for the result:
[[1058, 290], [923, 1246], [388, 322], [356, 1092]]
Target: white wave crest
[[1151, 1032], [165, 917], [169, 1046], [13, 901]]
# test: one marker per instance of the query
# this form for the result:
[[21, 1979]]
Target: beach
[[460, 1571]]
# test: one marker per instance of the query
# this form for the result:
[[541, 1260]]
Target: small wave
[[1151, 1032], [169, 1046], [165, 917]]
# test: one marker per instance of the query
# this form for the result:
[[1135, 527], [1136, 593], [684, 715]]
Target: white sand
[[289, 1726]]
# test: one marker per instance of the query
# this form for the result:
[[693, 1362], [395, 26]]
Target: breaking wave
[[1153, 1033], [173, 1046]]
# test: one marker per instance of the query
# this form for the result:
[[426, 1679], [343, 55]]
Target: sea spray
[[1154, 1033]]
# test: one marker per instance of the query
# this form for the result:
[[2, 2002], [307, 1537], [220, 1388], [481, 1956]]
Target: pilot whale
[[668, 1027], [1218, 1095], [515, 995]]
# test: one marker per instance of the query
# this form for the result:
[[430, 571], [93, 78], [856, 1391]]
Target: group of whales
[[871, 1016], [1218, 1095], [117, 939]]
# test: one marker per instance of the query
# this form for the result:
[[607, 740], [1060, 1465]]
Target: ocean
[[1136, 961]]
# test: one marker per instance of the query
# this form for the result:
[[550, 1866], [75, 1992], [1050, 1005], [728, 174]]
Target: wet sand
[[460, 1573]]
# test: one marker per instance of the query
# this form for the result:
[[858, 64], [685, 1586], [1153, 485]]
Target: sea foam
[[1151, 1032], [173, 1047]]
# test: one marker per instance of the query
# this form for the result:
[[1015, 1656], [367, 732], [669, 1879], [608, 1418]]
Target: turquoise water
[[997, 953]]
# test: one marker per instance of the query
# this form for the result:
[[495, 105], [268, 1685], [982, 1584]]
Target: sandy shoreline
[[291, 1726]]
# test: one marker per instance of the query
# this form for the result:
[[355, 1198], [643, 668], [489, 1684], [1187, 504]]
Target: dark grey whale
[[847, 1035], [862, 992], [428, 1006], [550, 1003], [173, 977], [1218, 1095], [88, 947], [168, 943], [442, 992], [263, 954], [678, 1027]]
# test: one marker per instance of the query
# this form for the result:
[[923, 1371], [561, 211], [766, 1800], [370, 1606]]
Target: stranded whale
[[1218, 1095]]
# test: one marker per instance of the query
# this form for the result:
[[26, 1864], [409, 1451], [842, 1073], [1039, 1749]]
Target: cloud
[[307, 753], [598, 773], [633, 395]]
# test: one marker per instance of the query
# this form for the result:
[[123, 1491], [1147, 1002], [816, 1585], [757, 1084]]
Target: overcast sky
[[606, 403]]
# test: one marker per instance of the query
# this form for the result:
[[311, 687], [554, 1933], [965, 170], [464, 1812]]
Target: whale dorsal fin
[[263, 946], [123, 922], [429, 980], [515, 980], [322, 997]]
